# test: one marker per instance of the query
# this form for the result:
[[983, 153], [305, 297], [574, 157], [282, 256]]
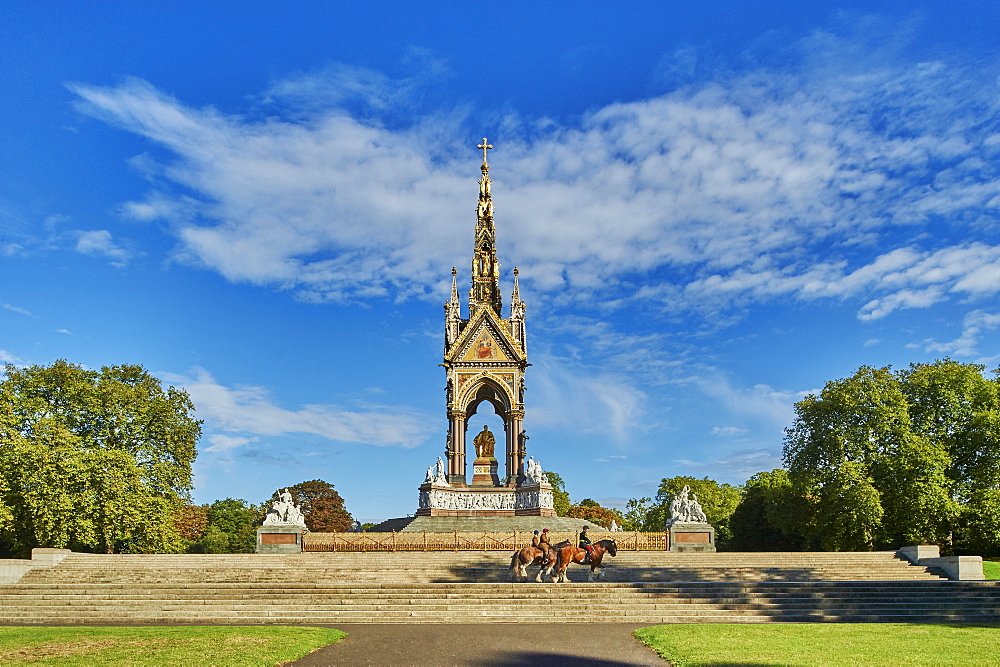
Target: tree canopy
[[591, 510], [321, 505], [560, 497], [93, 460], [888, 458]]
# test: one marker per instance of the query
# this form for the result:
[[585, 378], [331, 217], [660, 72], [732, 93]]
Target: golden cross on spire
[[485, 147]]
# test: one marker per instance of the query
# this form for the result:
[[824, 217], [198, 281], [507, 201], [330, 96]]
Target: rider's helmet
[[536, 532], [585, 527], [544, 530]]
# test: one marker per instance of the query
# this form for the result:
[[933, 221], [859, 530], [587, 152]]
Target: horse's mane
[[604, 543]]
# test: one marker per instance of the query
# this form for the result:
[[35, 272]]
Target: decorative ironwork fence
[[468, 541]]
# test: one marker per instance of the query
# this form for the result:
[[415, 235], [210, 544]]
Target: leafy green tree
[[231, 527], [637, 510], [321, 505], [769, 516], [852, 452], [560, 498], [957, 408], [979, 528], [93, 460]]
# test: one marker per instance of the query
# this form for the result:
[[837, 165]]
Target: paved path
[[486, 644]]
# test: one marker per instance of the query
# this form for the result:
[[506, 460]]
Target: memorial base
[[691, 537], [472, 501], [484, 472], [279, 539]]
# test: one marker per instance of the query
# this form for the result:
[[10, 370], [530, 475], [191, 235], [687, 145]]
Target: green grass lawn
[[825, 644], [991, 569], [180, 645]]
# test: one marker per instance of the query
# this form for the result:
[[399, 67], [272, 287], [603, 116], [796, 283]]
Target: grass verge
[[825, 644], [991, 569], [176, 645]]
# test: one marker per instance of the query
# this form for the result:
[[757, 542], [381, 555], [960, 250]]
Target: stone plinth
[[437, 500], [484, 472], [691, 537], [279, 539]]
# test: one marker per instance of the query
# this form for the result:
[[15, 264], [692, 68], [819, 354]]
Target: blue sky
[[715, 208]]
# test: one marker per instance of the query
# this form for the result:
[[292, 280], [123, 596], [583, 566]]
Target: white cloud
[[15, 309], [7, 358], [735, 468], [728, 431], [974, 325], [66, 332], [761, 401], [565, 394], [754, 186], [253, 412], [99, 243], [227, 443]]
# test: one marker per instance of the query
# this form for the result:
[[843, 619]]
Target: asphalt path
[[482, 644]]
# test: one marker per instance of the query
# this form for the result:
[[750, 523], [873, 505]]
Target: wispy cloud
[[565, 394], [728, 431], [227, 443], [251, 412], [762, 184], [974, 325], [734, 468], [15, 309], [98, 243]]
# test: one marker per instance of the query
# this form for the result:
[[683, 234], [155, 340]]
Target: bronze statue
[[484, 443]]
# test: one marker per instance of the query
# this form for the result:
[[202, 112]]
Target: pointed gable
[[484, 339]]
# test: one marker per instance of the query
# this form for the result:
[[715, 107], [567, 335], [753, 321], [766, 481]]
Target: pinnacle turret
[[485, 290]]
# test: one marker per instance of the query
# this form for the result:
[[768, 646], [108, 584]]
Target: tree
[[872, 480], [560, 498], [191, 522], [958, 409], [231, 527], [321, 505], [769, 516], [93, 460], [637, 514], [719, 501], [591, 510]]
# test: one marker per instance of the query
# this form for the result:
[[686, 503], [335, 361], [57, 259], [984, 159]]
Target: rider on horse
[[585, 544], [543, 544]]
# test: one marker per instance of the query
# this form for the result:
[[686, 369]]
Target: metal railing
[[468, 541]]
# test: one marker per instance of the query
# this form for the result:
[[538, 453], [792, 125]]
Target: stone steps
[[642, 587], [429, 567]]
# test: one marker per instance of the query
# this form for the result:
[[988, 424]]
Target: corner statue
[[484, 443]]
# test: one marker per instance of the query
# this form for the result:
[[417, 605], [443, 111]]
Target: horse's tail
[[513, 561]]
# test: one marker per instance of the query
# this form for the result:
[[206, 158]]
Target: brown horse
[[569, 554], [520, 561]]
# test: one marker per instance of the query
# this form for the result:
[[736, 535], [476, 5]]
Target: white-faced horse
[[569, 554]]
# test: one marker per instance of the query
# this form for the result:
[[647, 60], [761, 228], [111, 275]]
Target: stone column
[[515, 453], [456, 454]]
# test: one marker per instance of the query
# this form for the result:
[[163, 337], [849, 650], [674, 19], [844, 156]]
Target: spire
[[517, 315], [485, 290], [452, 313]]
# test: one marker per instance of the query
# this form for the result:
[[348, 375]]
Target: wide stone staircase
[[438, 587]]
